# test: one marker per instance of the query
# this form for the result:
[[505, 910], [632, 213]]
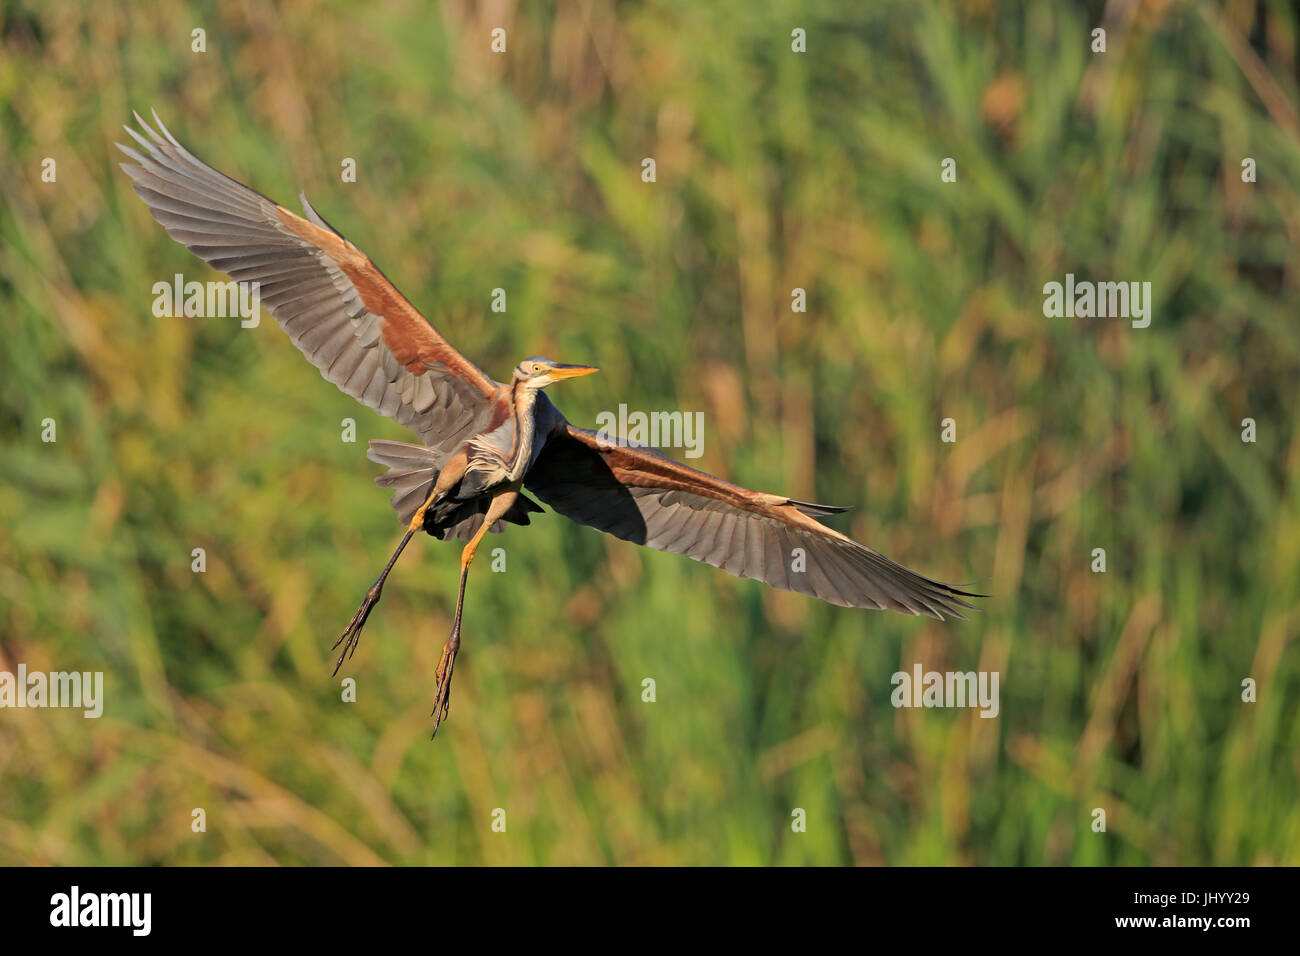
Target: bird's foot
[[352, 633], [443, 674]]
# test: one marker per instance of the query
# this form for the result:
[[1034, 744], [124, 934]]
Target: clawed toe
[[352, 633], [443, 674]]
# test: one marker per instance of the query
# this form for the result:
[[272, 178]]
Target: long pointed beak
[[559, 372]]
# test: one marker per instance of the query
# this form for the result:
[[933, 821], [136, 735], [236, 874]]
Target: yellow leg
[[499, 505], [417, 521], [448, 477], [467, 553]]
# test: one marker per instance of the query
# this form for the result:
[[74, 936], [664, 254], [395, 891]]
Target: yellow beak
[[571, 371]]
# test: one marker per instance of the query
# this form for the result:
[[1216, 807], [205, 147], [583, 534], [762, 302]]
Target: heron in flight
[[484, 443]]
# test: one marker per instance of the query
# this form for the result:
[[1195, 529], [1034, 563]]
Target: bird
[[485, 445]]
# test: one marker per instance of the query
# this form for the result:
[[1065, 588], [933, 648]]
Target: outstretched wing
[[336, 305], [638, 493]]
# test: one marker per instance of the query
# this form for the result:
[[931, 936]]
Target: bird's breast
[[506, 452]]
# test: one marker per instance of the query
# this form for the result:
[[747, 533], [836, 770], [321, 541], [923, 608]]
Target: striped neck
[[523, 401]]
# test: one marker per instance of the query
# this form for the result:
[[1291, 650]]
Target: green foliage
[[775, 170]]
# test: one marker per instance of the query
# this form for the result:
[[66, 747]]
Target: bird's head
[[538, 372]]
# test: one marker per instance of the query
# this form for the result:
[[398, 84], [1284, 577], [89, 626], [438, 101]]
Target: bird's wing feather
[[336, 305], [638, 493]]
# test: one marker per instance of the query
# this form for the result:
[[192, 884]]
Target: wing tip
[[313, 216], [814, 510]]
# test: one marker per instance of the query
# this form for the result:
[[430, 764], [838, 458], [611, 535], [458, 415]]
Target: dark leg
[[352, 633], [448, 661], [499, 506]]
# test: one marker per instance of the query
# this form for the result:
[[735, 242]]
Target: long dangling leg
[[499, 505], [352, 633]]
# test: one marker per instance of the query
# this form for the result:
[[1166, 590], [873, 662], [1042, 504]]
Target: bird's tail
[[412, 470]]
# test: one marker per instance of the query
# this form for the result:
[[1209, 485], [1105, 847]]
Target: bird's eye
[[536, 368]]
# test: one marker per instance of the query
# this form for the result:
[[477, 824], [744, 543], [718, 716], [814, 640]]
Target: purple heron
[[483, 442]]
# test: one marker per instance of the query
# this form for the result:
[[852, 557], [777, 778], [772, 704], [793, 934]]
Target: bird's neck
[[524, 403]]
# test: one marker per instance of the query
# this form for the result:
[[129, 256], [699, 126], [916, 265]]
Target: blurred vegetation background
[[775, 170]]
